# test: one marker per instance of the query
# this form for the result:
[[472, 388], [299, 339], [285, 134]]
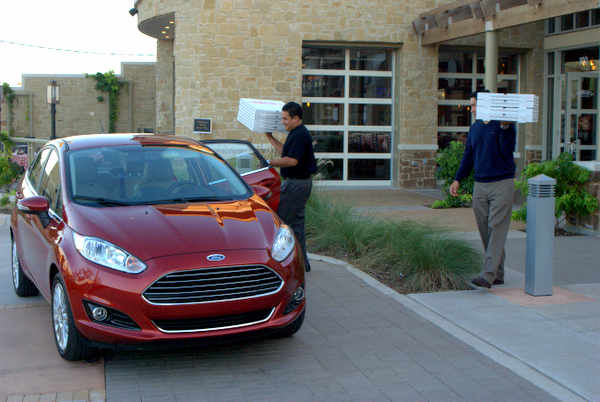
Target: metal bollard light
[[540, 236]]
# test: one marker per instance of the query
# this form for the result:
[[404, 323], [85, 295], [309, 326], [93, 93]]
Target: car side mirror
[[33, 205], [36, 206], [262, 191]]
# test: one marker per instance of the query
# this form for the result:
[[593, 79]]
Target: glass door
[[579, 115]]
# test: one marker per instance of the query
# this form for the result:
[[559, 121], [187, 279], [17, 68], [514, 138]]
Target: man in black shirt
[[297, 164]]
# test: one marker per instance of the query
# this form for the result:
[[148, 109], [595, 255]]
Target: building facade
[[82, 109], [379, 102]]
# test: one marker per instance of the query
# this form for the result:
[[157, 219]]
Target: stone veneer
[[533, 156], [417, 169]]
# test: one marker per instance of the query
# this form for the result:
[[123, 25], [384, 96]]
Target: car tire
[[71, 345], [23, 286], [292, 328]]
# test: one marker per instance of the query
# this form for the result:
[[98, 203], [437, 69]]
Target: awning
[[469, 17]]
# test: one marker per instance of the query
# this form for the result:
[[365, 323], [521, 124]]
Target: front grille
[[214, 323], [213, 284]]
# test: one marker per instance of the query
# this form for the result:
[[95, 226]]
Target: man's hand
[[454, 188], [505, 124]]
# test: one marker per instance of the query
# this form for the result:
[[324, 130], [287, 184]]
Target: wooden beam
[[514, 16], [447, 7], [476, 10], [488, 7], [442, 20]]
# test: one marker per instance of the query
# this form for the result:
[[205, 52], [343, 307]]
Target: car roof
[[107, 140]]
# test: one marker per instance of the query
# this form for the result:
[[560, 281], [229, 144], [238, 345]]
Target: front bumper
[[89, 283]]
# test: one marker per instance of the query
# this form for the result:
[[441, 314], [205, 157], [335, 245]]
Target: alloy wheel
[[60, 316], [15, 265]]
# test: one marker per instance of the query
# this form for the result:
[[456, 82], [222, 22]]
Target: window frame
[[345, 127]]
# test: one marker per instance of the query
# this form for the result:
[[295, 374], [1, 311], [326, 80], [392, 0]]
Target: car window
[[36, 169], [240, 156], [132, 174], [50, 183]]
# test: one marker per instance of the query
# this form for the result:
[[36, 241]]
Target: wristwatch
[[268, 162]]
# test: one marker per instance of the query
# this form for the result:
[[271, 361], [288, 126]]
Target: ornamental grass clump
[[410, 256]]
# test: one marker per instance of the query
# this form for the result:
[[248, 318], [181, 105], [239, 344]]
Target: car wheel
[[21, 283], [292, 328], [69, 342]]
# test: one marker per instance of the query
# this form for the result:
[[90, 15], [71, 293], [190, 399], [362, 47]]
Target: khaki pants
[[492, 205]]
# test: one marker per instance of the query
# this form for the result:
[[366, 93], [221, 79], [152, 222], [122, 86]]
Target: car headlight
[[283, 243], [106, 254]]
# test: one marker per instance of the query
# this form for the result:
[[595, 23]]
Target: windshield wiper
[[185, 199], [102, 201]]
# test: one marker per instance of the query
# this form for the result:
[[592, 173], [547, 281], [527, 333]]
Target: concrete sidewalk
[[552, 341]]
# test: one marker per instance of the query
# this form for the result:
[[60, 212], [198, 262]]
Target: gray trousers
[[292, 203], [492, 205]]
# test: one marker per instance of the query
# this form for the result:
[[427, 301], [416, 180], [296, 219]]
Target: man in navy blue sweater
[[489, 151]]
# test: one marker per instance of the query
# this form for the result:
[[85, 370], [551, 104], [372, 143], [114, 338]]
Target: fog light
[[295, 301], [298, 295], [99, 313]]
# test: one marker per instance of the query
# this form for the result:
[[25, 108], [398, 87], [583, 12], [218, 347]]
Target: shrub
[[9, 171], [448, 161], [419, 257], [571, 197]]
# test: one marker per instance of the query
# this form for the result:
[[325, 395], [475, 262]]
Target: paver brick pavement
[[397, 355]]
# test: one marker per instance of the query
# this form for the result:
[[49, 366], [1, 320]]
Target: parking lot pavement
[[356, 344], [30, 367]]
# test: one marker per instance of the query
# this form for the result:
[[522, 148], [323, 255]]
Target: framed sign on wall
[[202, 126]]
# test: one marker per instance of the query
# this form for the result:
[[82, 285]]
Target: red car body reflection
[[211, 268]]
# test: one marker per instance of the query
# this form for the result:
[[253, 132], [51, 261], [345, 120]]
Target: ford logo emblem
[[215, 257]]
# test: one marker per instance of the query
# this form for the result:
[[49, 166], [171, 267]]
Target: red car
[[141, 238]]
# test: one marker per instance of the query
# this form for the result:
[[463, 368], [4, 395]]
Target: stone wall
[[137, 103], [417, 169], [533, 156], [79, 110]]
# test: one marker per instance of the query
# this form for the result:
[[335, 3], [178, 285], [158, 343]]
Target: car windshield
[[135, 174]]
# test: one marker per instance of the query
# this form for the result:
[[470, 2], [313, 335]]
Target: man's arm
[[275, 143], [466, 165]]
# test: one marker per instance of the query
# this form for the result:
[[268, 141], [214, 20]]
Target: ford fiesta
[[140, 238]]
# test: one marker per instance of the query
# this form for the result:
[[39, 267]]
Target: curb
[[513, 363]]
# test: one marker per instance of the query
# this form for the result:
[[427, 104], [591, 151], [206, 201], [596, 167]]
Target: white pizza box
[[521, 108], [261, 115]]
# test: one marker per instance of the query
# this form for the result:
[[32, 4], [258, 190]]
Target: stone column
[[491, 60], [165, 84]]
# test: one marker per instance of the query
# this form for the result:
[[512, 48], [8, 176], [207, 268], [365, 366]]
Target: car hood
[[150, 231]]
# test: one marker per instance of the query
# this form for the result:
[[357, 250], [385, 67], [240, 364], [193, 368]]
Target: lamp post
[[53, 99]]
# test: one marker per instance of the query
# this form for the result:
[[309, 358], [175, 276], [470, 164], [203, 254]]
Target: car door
[[251, 166], [43, 230], [29, 243]]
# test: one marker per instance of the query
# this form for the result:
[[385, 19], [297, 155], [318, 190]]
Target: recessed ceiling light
[[167, 27], [163, 32], [171, 22], [167, 36]]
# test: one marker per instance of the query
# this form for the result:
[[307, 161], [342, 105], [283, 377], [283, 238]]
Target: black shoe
[[307, 267], [499, 282], [479, 281]]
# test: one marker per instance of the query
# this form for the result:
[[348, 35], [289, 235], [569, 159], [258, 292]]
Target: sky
[[72, 25]]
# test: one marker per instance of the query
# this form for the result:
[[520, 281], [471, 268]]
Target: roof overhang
[[470, 17], [159, 27]]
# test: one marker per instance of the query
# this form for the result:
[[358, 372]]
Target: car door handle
[[268, 183]]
